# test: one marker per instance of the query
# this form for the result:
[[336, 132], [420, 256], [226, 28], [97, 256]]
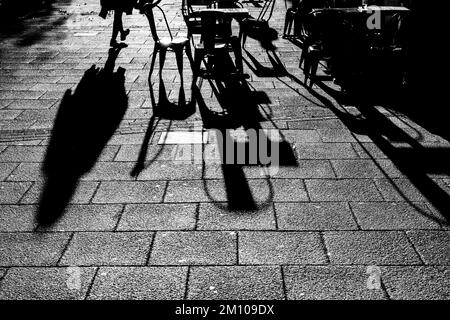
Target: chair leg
[[189, 55], [238, 55], [162, 59], [313, 73], [306, 68], [198, 56], [179, 58], [152, 65]]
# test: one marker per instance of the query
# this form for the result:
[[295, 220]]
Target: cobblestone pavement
[[326, 227]]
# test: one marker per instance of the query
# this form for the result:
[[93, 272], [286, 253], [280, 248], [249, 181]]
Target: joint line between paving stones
[[353, 215], [91, 284], [322, 240], [197, 216], [414, 247], [166, 187], [237, 248], [119, 218], [275, 216], [283, 282], [384, 288], [26, 191], [150, 249], [65, 248], [94, 193], [186, 286], [12, 171]]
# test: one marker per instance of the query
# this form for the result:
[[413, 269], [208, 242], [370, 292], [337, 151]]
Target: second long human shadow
[[86, 120]]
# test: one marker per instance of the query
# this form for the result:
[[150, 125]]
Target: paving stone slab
[[433, 246], [235, 283], [15, 218], [365, 169], [313, 216], [393, 216], [194, 248], [281, 248], [46, 283], [399, 190], [417, 283], [218, 216], [129, 192], [81, 195], [31, 249], [140, 217], [12, 192], [142, 283], [370, 247], [325, 151], [87, 218], [108, 248], [23, 154], [342, 190], [329, 283], [6, 169]]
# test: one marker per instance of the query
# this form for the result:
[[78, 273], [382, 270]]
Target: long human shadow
[[18, 19], [86, 120], [240, 109]]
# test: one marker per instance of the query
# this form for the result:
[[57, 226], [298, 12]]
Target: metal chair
[[216, 39], [176, 44], [260, 25]]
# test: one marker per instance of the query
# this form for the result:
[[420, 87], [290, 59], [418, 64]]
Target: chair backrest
[[214, 26], [266, 10], [187, 5], [148, 8]]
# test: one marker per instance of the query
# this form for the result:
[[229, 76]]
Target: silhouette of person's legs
[[118, 27]]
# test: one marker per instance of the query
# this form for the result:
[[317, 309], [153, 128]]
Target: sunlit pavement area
[[347, 219]]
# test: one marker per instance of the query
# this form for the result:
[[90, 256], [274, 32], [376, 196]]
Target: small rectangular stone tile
[[14, 218], [433, 246], [235, 283], [108, 248], [325, 151], [141, 217], [23, 154], [393, 216], [342, 190], [313, 216], [129, 192], [370, 247], [329, 283], [217, 216], [89, 217], [139, 283], [281, 248], [81, 195], [12, 192], [31, 249], [417, 283], [46, 283], [194, 248]]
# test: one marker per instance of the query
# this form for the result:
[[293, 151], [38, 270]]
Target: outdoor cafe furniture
[[216, 38], [256, 27], [343, 37], [178, 45]]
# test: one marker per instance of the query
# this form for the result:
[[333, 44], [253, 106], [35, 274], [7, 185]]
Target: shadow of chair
[[241, 110], [86, 120]]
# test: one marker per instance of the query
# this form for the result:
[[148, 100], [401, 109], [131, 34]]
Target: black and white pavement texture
[[345, 216]]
